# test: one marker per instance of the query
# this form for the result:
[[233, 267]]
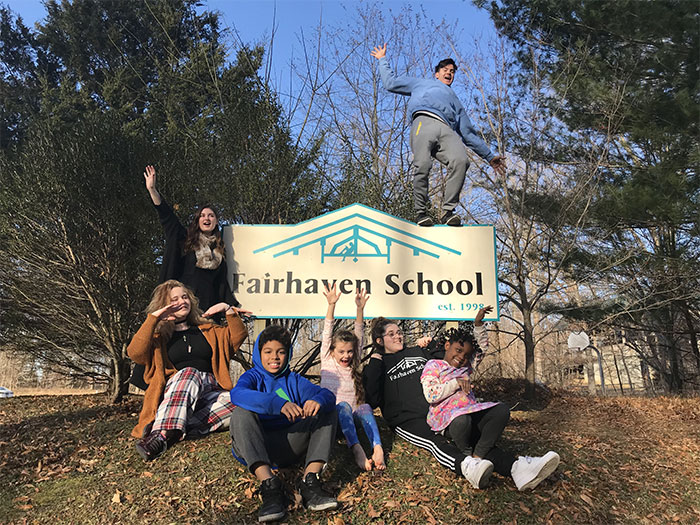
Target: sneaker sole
[[453, 221], [485, 478], [426, 223], [271, 517], [142, 452], [323, 506], [549, 467]]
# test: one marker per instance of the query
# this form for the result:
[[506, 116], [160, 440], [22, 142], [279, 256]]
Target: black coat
[[209, 286]]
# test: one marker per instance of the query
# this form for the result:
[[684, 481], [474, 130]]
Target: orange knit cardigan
[[148, 349]]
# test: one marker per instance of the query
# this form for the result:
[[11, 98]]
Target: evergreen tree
[[136, 83], [628, 72]]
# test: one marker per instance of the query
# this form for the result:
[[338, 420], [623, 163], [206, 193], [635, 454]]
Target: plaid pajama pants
[[194, 403]]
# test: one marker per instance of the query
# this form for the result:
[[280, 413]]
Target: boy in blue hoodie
[[279, 417], [440, 129]]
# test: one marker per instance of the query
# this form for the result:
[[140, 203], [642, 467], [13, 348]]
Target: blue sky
[[254, 20]]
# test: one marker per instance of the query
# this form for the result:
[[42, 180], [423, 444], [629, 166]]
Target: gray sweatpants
[[432, 138], [313, 436]]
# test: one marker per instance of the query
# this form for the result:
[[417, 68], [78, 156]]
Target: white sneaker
[[528, 472], [477, 471]]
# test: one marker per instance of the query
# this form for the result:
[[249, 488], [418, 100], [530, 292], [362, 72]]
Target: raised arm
[[479, 319], [481, 335], [361, 299], [332, 296], [172, 227], [402, 85], [140, 349], [150, 176]]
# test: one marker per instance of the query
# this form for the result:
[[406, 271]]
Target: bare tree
[[338, 94], [366, 156], [539, 208], [70, 277]]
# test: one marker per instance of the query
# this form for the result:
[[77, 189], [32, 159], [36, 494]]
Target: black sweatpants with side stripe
[[418, 433]]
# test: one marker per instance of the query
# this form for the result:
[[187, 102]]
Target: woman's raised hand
[[242, 312], [216, 309], [361, 298], [166, 313], [222, 307], [332, 294], [150, 176]]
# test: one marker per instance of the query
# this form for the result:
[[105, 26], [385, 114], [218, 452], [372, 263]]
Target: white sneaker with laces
[[528, 472], [477, 471]]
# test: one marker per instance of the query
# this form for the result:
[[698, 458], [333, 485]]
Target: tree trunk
[[646, 377], [627, 369], [675, 377], [119, 381], [498, 350], [693, 336], [529, 341], [617, 369], [590, 372]]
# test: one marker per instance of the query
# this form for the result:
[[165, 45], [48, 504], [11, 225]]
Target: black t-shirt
[[189, 348]]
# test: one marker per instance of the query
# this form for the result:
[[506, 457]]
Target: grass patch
[[624, 460]]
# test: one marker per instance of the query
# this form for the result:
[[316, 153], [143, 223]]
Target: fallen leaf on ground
[[587, 499]]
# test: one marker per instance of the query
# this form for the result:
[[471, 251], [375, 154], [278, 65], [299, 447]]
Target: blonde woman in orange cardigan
[[186, 360]]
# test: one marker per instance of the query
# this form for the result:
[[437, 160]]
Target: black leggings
[[477, 434]]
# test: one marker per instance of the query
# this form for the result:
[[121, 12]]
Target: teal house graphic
[[357, 232]]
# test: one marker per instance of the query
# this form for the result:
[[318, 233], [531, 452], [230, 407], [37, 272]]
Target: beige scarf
[[207, 258]]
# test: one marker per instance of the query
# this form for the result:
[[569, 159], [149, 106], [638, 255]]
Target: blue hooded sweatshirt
[[435, 97], [265, 394]]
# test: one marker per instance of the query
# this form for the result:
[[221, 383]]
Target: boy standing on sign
[[440, 129], [280, 417]]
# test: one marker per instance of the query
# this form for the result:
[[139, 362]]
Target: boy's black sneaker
[[451, 219], [425, 220], [274, 502], [313, 496], [152, 446]]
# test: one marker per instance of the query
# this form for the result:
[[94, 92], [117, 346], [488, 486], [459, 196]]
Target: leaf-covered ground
[[70, 459]]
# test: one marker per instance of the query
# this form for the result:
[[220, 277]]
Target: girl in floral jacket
[[475, 426]]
